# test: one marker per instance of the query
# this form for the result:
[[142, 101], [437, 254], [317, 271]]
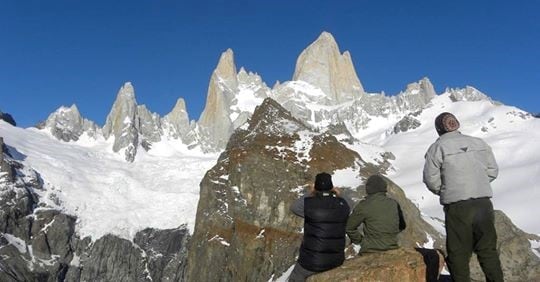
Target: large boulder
[[404, 264]]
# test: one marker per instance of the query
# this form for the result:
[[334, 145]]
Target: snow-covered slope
[[513, 134], [159, 189]]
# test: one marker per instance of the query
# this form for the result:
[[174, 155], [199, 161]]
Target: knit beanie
[[323, 182], [376, 183], [446, 122]]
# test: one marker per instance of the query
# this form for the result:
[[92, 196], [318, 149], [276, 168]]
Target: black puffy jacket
[[325, 217]]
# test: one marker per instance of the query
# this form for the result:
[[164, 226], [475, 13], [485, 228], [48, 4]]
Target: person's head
[[323, 182], [446, 122], [376, 184]]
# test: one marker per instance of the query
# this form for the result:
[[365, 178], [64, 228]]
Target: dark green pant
[[470, 226]]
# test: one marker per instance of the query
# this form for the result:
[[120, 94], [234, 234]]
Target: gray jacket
[[459, 167]]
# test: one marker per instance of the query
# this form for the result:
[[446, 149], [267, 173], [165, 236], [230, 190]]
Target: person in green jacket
[[381, 217]]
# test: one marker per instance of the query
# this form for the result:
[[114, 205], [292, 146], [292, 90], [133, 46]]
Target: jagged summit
[[325, 91], [215, 125], [322, 65], [121, 122], [226, 68], [127, 90], [176, 123], [67, 124]]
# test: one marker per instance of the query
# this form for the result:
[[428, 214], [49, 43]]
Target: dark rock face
[[36, 240], [5, 169], [7, 118], [113, 259], [166, 251], [341, 132], [407, 123], [38, 243]]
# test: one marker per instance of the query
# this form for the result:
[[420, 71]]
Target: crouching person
[[325, 214], [381, 217]]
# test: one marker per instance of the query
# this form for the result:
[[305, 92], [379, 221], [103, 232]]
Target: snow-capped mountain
[[372, 118], [142, 170]]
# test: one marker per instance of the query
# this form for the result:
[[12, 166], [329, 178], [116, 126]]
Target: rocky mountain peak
[[126, 91], [226, 68], [322, 65], [121, 122], [215, 124], [67, 124]]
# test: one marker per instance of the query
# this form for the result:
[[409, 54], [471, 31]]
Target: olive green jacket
[[382, 221]]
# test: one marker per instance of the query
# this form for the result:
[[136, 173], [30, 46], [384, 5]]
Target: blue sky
[[55, 53]]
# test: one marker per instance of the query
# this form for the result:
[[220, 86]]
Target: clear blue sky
[[55, 53]]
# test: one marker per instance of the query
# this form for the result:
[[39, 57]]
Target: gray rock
[[67, 124], [468, 93], [407, 123], [114, 259], [215, 125], [176, 123], [518, 261], [341, 132], [6, 172], [122, 123], [7, 118], [322, 65], [148, 125], [166, 252]]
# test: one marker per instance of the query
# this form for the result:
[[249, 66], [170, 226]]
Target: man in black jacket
[[325, 215]]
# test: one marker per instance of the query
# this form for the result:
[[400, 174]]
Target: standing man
[[459, 168], [325, 214]]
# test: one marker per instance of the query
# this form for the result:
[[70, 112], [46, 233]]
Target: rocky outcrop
[[153, 255], [405, 265], [407, 123], [7, 118], [34, 240], [416, 96], [322, 66], [6, 172], [518, 261], [67, 124], [166, 252], [468, 93], [243, 224]]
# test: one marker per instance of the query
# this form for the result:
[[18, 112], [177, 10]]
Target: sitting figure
[[325, 214], [381, 217]]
